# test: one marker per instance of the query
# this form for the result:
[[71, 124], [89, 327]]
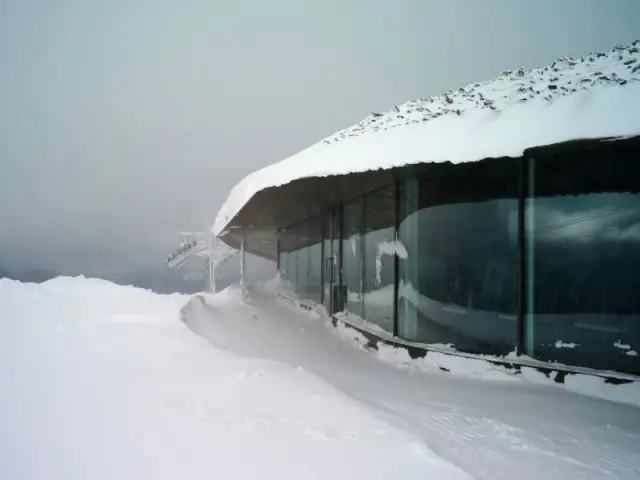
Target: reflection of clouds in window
[[582, 261], [458, 285], [581, 219], [512, 224], [629, 233]]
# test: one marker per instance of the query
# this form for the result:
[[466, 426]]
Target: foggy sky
[[125, 121]]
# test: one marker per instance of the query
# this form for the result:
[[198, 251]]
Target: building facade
[[539, 255]]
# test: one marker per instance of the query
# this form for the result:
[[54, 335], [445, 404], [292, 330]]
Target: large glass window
[[287, 246], [314, 286], [352, 255], [583, 258], [333, 294], [379, 263], [300, 258], [458, 284], [282, 265], [293, 271], [302, 272]]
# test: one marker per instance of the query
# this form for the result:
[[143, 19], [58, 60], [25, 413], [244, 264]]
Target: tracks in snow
[[499, 450]]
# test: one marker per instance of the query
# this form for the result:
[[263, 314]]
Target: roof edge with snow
[[591, 97]]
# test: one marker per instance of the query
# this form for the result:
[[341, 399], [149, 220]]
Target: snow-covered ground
[[102, 381], [99, 381]]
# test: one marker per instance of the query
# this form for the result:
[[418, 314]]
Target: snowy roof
[[594, 96]]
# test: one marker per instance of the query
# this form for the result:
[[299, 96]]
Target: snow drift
[[102, 381]]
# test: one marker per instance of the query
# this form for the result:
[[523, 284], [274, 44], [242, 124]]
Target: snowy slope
[[503, 426], [590, 97], [99, 381]]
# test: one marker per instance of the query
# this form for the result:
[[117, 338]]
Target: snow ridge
[[565, 76]]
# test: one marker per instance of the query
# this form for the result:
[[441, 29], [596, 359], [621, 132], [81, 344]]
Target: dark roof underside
[[275, 208]]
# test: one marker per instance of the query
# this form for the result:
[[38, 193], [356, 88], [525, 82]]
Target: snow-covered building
[[496, 218]]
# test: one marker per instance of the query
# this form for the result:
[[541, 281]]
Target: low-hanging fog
[[124, 122]]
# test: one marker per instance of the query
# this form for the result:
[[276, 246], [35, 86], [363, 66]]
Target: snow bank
[[574, 98], [436, 361], [589, 385], [102, 381], [505, 429], [74, 300], [480, 366]]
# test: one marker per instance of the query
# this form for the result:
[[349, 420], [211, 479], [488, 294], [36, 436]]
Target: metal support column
[[396, 260]]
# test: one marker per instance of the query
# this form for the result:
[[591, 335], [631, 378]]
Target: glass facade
[[299, 262], [540, 255], [331, 260], [286, 263], [458, 284], [353, 214], [379, 261], [314, 289], [583, 263]]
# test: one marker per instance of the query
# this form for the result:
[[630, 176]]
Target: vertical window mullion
[[396, 262]]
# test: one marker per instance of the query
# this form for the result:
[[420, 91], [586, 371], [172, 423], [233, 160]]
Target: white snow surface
[[103, 381], [100, 381], [594, 96], [478, 417]]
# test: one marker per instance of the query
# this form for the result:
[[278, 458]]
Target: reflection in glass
[[379, 267], [302, 272], [287, 246], [583, 268], [331, 261], [314, 287], [300, 258], [283, 268], [352, 255], [458, 283]]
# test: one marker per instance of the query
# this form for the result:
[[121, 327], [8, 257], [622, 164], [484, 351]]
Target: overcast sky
[[124, 121]]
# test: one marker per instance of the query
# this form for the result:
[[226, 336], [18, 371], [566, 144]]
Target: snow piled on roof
[[594, 96]]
